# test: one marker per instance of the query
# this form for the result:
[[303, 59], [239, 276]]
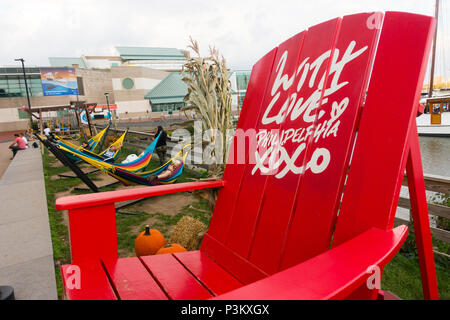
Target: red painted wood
[[419, 212], [132, 281], [280, 192], [241, 231], [234, 171], [333, 274], [93, 236], [319, 193], [101, 198], [387, 295], [178, 283], [266, 221], [210, 274], [235, 264], [93, 283], [379, 159]]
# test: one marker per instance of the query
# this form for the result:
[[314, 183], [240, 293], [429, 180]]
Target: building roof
[[170, 90], [66, 62], [148, 53]]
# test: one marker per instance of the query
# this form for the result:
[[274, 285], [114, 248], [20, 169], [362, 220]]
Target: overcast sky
[[243, 31]]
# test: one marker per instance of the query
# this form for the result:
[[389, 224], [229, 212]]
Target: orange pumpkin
[[171, 248], [148, 242]]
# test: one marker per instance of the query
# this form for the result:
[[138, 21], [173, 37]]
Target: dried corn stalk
[[209, 96]]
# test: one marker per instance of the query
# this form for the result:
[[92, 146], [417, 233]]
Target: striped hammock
[[92, 142], [134, 166], [129, 178], [99, 156]]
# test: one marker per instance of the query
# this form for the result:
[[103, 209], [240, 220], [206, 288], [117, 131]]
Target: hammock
[[92, 144], [134, 166], [129, 178], [102, 156]]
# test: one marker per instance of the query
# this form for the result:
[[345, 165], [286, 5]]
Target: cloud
[[243, 31]]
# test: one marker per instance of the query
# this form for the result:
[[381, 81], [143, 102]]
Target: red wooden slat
[[132, 281], [214, 277], [93, 283], [227, 198], [254, 209], [93, 236], [240, 233], [109, 197], [333, 274], [379, 159], [233, 263], [419, 211], [319, 192], [177, 282], [305, 98]]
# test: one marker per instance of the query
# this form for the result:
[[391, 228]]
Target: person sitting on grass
[[166, 173], [18, 144]]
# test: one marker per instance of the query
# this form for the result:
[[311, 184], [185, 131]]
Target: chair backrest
[[341, 95]]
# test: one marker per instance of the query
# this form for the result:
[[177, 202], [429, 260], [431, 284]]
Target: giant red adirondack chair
[[309, 212]]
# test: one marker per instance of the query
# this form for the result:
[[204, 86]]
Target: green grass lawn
[[402, 277], [162, 222]]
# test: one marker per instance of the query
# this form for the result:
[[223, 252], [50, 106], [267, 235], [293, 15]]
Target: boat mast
[[436, 13]]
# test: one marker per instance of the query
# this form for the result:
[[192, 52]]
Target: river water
[[435, 160], [435, 155]]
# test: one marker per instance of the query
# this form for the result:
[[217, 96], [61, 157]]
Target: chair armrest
[[92, 217], [102, 198], [332, 275]]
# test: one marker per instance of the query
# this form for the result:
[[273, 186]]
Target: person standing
[[18, 144], [161, 145]]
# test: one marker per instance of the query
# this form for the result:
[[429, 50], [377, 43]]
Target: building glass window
[[242, 79], [80, 86], [167, 107], [128, 83], [13, 85], [23, 115]]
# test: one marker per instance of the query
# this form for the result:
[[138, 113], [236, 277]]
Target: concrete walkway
[[26, 255]]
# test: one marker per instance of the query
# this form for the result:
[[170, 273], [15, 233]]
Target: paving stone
[[26, 254]]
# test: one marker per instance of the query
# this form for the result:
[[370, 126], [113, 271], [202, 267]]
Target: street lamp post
[[26, 89], [107, 103]]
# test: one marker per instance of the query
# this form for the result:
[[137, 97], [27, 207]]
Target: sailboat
[[435, 121]]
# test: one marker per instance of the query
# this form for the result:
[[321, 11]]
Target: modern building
[[141, 82], [92, 84], [166, 59], [130, 85], [168, 95], [239, 81]]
